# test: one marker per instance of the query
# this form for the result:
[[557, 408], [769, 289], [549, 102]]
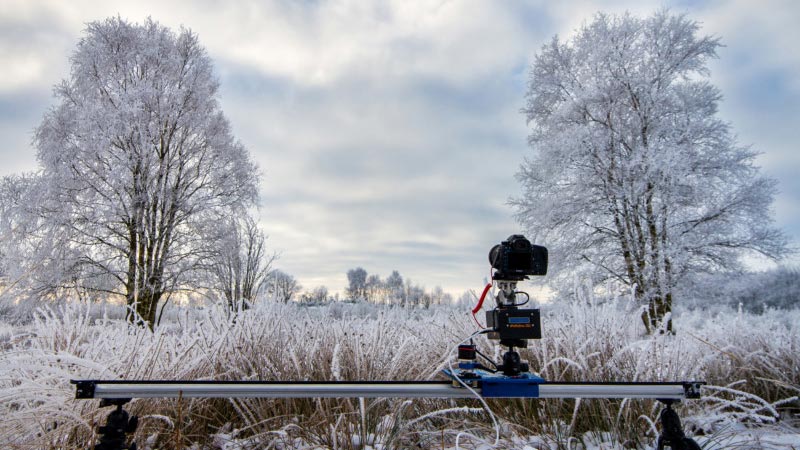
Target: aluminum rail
[[675, 391], [120, 389], [191, 389]]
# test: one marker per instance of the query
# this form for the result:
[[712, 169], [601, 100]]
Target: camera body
[[516, 258]]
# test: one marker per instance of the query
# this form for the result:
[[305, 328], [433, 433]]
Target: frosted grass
[[750, 361]]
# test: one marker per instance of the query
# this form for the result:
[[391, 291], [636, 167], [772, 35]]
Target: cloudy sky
[[389, 132]]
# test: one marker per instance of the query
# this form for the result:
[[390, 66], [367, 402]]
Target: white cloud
[[25, 70], [327, 41], [758, 35], [388, 132]]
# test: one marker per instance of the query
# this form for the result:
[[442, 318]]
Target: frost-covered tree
[[37, 257], [375, 289], [138, 162], [633, 176], [282, 285], [440, 297], [12, 196], [413, 295], [394, 287], [240, 264], [357, 283], [316, 296], [12, 192]]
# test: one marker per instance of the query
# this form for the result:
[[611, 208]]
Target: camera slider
[[531, 387], [486, 384]]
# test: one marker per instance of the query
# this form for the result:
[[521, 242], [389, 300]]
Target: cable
[[525, 302], [480, 304], [483, 297], [485, 405], [488, 359], [476, 322]]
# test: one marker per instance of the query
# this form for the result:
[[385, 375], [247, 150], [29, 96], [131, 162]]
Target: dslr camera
[[516, 258]]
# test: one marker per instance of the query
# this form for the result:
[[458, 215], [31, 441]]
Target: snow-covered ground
[[751, 362]]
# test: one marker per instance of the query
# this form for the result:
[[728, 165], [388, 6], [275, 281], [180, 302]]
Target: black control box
[[512, 323]]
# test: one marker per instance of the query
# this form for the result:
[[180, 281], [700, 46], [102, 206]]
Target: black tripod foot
[[672, 435], [113, 435]]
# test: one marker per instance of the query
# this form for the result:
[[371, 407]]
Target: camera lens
[[494, 253]]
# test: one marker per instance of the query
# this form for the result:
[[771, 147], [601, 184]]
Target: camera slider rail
[[489, 387], [113, 436]]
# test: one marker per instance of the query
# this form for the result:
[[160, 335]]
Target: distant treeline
[[394, 290], [754, 291]]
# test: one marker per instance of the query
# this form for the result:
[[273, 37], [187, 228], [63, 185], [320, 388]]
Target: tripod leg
[[113, 435], [690, 444], [672, 435]]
